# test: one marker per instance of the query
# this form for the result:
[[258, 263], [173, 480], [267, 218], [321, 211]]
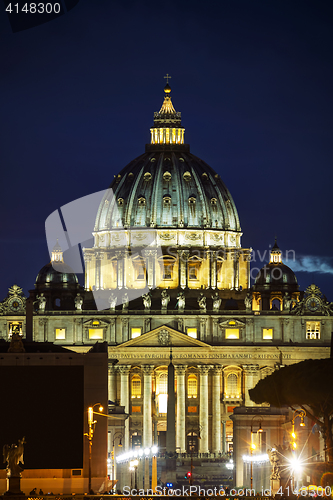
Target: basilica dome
[[56, 272], [167, 186]]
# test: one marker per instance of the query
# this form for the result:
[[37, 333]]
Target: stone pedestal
[[274, 485], [14, 486]]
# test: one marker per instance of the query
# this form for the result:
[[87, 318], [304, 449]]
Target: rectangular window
[[313, 330], [96, 333], [135, 332], [60, 333], [232, 333], [192, 332], [192, 409], [193, 272], [136, 409], [167, 271], [267, 333]]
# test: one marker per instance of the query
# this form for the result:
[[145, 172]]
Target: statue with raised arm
[[41, 300], [78, 302], [202, 302], [146, 297], [216, 302], [13, 455], [165, 299], [181, 301]]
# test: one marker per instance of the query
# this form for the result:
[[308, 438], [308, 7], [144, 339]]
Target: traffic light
[[188, 475]]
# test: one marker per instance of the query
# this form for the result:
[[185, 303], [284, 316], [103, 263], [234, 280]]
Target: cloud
[[312, 264]]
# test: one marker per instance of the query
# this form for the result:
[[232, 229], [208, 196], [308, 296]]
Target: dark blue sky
[[253, 80]]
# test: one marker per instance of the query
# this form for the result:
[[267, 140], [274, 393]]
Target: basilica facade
[[168, 265]]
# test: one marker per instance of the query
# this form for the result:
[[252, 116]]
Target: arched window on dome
[[192, 386], [136, 387], [166, 210], [276, 304]]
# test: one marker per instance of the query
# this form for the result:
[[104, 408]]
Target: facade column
[[203, 408], [251, 378], [112, 383], [216, 423], [147, 413], [236, 269], [124, 399], [224, 438], [43, 336], [78, 330], [151, 267], [180, 422], [203, 323]]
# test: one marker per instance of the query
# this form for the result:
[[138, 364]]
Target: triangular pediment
[[164, 336]]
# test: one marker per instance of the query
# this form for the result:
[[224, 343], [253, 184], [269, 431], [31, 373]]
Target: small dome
[[275, 275], [55, 273]]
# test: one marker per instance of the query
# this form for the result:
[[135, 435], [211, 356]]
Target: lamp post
[[115, 436], [90, 435], [301, 414], [253, 446], [134, 467]]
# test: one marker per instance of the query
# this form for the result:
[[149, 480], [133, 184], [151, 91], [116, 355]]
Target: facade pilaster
[[216, 422], [183, 256], [213, 283], [147, 413], [151, 267], [203, 408], [112, 383], [203, 323], [180, 422], [43, 335], [120, 268], [112, 330], [78, 331], [124, 398], [251, 378], [125, 323], [236, 270]]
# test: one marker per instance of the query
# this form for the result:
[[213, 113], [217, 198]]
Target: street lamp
[[115, 436], [301, 414], [253, 446], [90, 435], [134, 467]]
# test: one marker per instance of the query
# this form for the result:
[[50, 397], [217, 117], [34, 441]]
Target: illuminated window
[[192, 332], [60, 333], [232, 333], [162, 391], [96, 333], [120, 201], [135, 332], [192, 200], [267, 333], [192, 386], [167, 269], [15, 327], [312, 330], [232, 385], [167, 201], [142, 201], [187, 176], [136, 386]]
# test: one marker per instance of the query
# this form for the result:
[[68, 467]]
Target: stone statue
[[78, 302], [286, 302], [216, 302], [113, 302], [125, 302], [181, 301], [13, 455], [275, 463], [146, 301], [41, 300], [165, 299], [202, 302], [248, 301]]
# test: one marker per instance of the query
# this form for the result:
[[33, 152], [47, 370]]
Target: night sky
[[253, 80]]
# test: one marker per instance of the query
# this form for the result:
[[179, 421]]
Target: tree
[[308, 384]]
